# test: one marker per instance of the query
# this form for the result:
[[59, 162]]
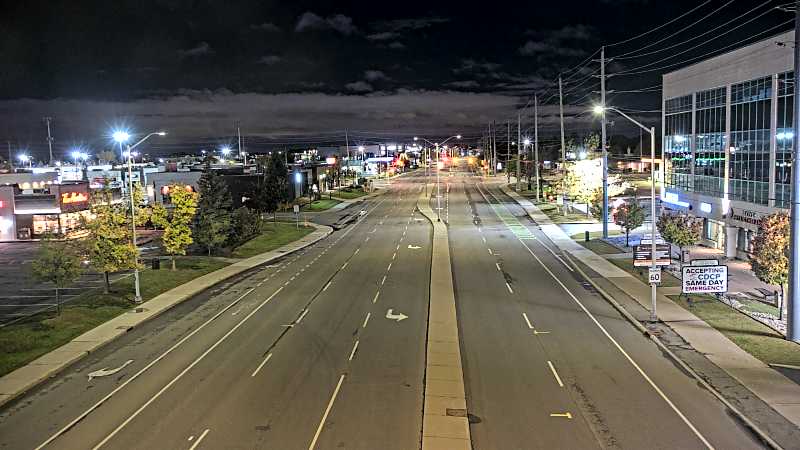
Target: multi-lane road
[[325, 349]]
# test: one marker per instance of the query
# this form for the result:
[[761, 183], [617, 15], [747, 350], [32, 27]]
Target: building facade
[[727, 140]]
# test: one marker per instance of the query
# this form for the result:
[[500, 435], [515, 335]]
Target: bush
[[247, 224]]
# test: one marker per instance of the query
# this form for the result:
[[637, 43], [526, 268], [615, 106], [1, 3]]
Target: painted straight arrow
[[397, 317], [414, 247]]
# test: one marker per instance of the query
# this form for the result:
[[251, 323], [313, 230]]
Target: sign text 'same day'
[[704, 279]]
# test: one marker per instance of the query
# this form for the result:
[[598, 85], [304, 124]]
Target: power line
[[625, 55], [660, 26]]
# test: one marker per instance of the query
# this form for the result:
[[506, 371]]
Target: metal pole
[[347, 144], [241, 153], [603, 139], [10, 159], [138, 295], [653, 293], [494, 149], [508, 147], [536, 144], [793, 311], [438, 197], [519, 147], [49, 138], [563, 144]]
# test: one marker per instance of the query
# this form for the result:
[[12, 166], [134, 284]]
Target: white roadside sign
[[655, 275], [704, 279]]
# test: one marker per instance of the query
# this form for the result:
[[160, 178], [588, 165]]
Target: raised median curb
[[444, 416], [774, 389], [46, 366]]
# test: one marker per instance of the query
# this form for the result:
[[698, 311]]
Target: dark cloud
[[396, 45], [267, 27], [409, 24], [338, 22], [269, 60], [383, 36], [464, 84], [201, 49], [375, 75], [359, 86]]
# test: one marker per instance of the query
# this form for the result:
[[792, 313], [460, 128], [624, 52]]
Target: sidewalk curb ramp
[[15, 384], [445, 425]]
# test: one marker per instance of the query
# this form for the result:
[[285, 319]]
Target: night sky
[[301, 73]]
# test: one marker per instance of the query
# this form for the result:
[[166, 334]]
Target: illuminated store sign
[[74, 197]]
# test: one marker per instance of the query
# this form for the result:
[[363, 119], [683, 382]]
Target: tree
[[679, 229], [106, 156], [583, 179], [247, 224], [770, 261], [108, 243], [143, 212], [213, 224], [57, 263], [629, 216], [159, 216], [177, 234]]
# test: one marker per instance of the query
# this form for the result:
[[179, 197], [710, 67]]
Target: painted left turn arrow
[[397, 317]]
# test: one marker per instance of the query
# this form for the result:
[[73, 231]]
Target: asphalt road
[[297, 355], [547, 362], [305, 353]]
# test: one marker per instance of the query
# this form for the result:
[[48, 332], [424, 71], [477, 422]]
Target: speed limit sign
[[655, 275]]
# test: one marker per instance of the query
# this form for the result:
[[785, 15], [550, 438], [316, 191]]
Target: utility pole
[[793, 306], [536, 143], [508, 149], [10, 159], [603, 139], [347, 144], [563, 144], [49, 138], [494, 148], [241, 154], [519, 146]]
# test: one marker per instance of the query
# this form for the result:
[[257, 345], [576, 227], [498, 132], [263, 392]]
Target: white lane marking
[[480, 230], [394, 256], [357, 250], [185, 371], [287, 283], [345, 265], [555, 374], [622, 351], [509, 288], [389, 268], [259, 284], [261, 365], [327, 411], [366, 319], [303, 314], [143, 370], [498, 267], [383, 280], [404, 233], [375, 299], [398, 247], [484, 239], [367, 239], [353, 352], [200, 439], [490, 251], [525, 316], [327, 286]]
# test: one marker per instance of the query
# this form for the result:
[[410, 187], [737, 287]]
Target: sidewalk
[[444, 416], [773, 388], [23, 379]]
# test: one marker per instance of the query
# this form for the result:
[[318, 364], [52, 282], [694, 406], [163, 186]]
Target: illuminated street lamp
[[122, 137], [599, 109], [26, 159]]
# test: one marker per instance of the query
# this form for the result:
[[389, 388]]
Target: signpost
[[642, 255], [704, 279], [296, 209]]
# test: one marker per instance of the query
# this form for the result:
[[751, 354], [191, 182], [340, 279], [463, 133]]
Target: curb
[[445, 424], [627, 315], [63, 363]]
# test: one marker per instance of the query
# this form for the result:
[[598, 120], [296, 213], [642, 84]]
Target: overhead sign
[[704, 279], [642, 253]]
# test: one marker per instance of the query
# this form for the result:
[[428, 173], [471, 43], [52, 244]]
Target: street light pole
[[652, 130], [793, 306], [603, 141]]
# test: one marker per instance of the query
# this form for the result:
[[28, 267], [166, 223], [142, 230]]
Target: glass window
[[751, 114], [677, 134], [709, 163], [784, 139]]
